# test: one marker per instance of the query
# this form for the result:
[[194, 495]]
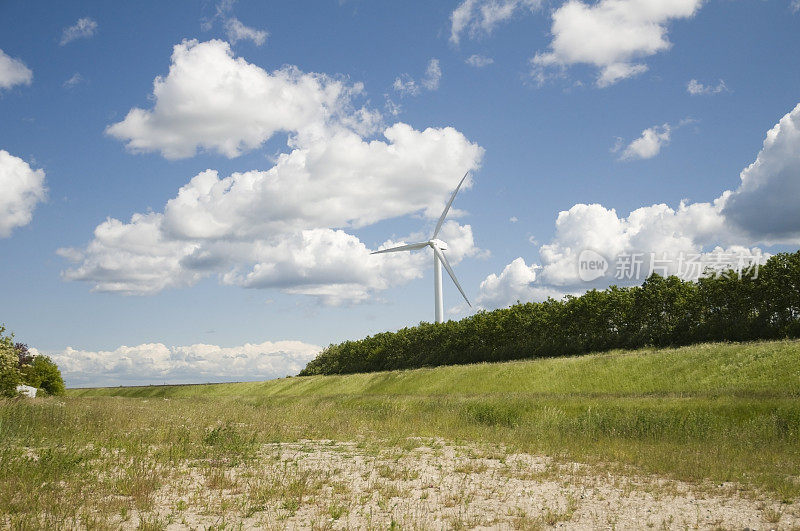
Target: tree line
[[663, 311]]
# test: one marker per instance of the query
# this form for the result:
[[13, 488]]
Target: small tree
[[44, 374], [10, 376]]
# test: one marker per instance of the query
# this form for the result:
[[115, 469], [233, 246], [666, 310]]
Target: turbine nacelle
[[438, 244]]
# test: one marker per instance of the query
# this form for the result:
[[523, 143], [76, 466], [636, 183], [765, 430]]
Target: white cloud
[[84, 28], [132, 258], [767, 203], [331, 265], [13, 72], [252, 228], [695, 88], [223, 7], [212, 101], [433, 74], [76, 79], [23, 188], [236, 31], [691, 229], [340, 181], [612, 35], [394, 109], [285, 227], [656, 228], [480, 17], [763, 210], [407, 86], [156, 363], [517, 282], [648, 145], [478, 61]]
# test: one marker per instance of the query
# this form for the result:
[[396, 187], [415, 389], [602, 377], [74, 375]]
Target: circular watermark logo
[[591, 265]]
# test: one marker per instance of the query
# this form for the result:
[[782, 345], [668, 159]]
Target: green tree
[[9, 371], [42, 373]]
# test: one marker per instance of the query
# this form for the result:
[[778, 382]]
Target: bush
[[661, 312]]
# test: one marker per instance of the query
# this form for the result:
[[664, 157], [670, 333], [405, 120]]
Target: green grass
[[708, 413], [747, 369]]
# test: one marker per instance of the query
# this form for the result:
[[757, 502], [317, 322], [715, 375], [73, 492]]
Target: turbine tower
[[439, 258]]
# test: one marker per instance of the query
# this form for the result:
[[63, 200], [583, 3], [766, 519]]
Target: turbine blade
[[447, 208], [449, 269], [409, 247]]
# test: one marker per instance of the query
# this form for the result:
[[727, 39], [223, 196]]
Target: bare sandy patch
[[431, 484]]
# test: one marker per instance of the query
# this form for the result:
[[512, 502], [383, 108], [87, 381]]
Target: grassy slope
[[759, 369]]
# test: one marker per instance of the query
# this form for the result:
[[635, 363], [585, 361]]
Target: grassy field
[[704, 415], [749, 369]]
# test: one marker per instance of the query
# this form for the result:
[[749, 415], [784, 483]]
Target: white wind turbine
[[439, 258]]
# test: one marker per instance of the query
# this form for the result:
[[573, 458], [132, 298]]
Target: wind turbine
[[439, 258]]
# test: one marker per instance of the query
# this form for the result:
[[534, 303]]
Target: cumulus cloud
[[407, 86], [23, 188], [648, 145], [330, 264], [84, 28], [478, 61], [13, 72], [156, 363], [132, 258], [213, 101], [766, 203], [285, 227], [763, 210], [480, 17], [276, 228], [236, 31], [657, 238], [516, 283], [611, 35], [695, 88], [656, 228], [336, 267]]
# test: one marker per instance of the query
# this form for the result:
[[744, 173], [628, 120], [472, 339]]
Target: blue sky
[[345, 125]]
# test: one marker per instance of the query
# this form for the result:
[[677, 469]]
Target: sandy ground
[[434, 485]]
